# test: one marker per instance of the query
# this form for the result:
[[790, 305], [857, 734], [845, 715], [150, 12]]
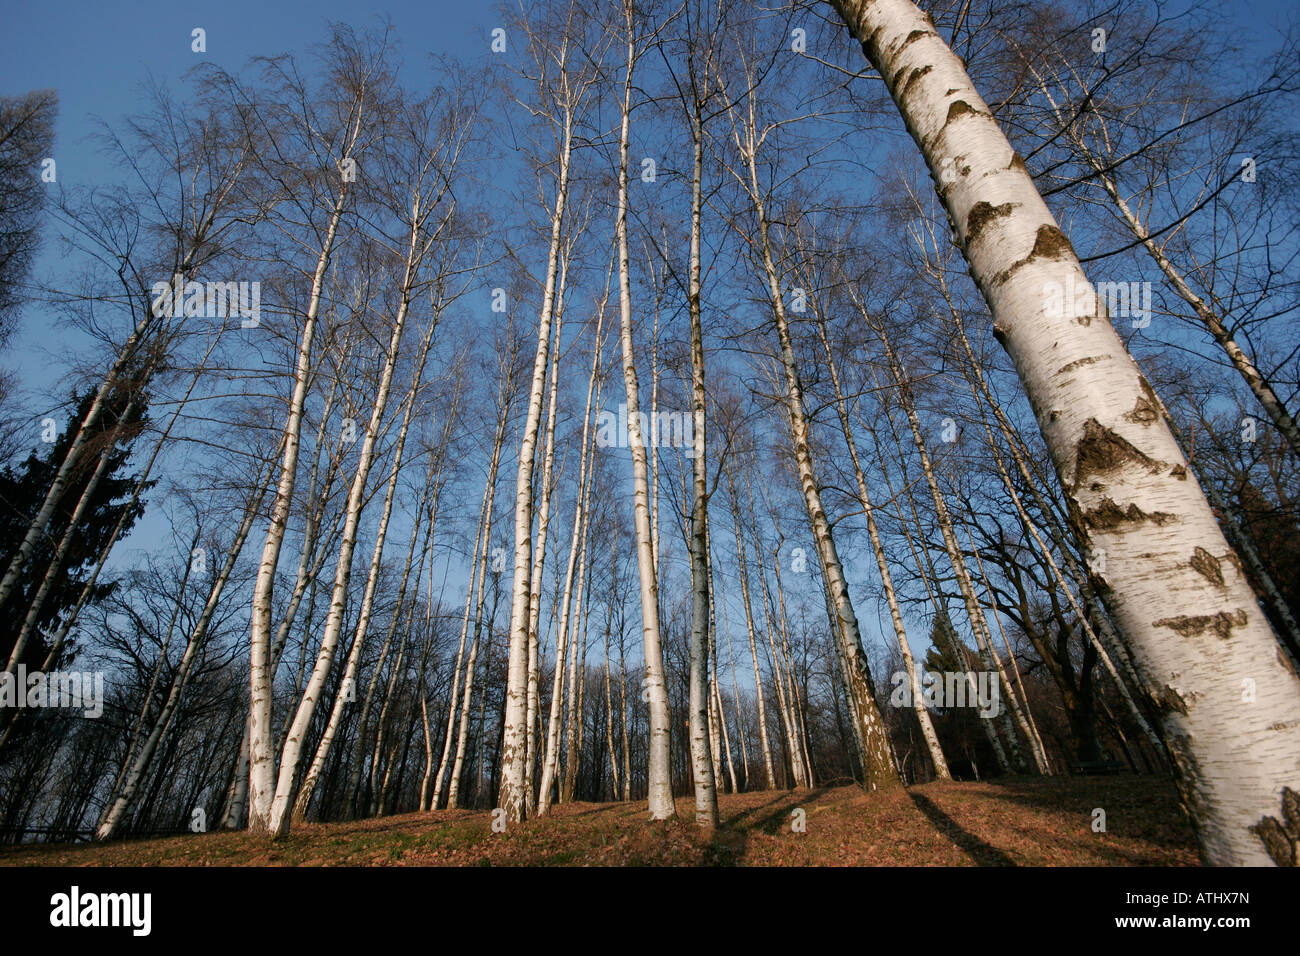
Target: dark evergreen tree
[[22, 490]]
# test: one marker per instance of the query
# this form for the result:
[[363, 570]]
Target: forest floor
[[1008, 822]]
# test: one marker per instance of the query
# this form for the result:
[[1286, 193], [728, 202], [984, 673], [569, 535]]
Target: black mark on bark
[[912, 78], [1078, 363], [912, 38], [1108, 516], [1049, 243], [1207, 566], [1220, 624], [981, 214], [1145, 411], [1170, 700], [1101, 451], [1281, 838], [960, 108]]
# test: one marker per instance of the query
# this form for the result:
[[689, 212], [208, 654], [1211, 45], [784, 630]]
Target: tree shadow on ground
[[1151, 798], [984, 854], [730, 841]]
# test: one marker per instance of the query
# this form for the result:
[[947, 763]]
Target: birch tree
[[748, 138], [1171, 580], [658, 772], [262, 782], [563, 86]]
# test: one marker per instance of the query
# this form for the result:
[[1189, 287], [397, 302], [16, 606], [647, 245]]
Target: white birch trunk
[[704, 743], [462, 739], [974, 612], [551, 757], [308, 786], [1170, 580], [882, 565], [609, 722], [877, 761], [778, 674], [659, 764], [513, 796], [1031, 726], [735, 693], [743, 565], [291, 755], [261, 766], [543, 528]]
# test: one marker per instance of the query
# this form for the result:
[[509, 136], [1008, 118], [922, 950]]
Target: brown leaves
[[1032, 822]]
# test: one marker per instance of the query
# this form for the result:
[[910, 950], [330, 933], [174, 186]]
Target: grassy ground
[[1016, 822]]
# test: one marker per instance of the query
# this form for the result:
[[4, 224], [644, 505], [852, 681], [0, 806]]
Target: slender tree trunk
[[735, 692], [627, 754], [973, 610], [261, 757], [778, 676], [743, 566], [799, 707], [348, 682], [426, 780], [462, 740], [572, 713], [882, 564], [116, 812], [702, 755], [609, 721], [478, 572], [877, 762], [658, 768], [543, 527], [1027, 723], [926, 570], [291, 755], [514, 794], [577, 541]]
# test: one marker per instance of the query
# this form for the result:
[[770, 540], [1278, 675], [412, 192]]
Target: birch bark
[[261, 767], [659, 762], [1171, 581], [513, 794]]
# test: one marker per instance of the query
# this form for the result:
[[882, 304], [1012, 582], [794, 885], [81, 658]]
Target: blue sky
[[98, 55]]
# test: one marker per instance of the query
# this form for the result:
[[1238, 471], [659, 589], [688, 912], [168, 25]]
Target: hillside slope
[[1020, 821]]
